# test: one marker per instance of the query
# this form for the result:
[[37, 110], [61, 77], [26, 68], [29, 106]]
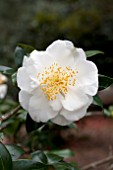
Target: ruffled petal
[[76, 99], [61, 120], [62, 52], [74, 115], [24, 98], [40, 110], [56, 104]]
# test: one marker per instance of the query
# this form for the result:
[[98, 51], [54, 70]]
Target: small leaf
[[28, 165], [6, 70], [19, 54], [31, 125], [52, 158], [5, 158], [91, 53], [14, 78], [28, 49], [97, 101], [39, 156], [104, 82], [64, 166], [66, 153], [15, 151]]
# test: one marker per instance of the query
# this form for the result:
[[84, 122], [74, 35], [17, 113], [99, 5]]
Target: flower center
[[55, 79]]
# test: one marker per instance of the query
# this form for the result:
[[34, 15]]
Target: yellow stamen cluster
[[56, 79], [2, 79]]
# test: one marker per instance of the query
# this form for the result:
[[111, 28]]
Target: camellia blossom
[[3, 87], [57, 84]]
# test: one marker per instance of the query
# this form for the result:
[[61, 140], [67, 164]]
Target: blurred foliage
[[88, 23]]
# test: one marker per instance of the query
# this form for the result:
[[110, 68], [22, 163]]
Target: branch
[[98, 163], [10, 114]]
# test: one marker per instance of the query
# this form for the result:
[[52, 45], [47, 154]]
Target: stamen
[[56, 79]]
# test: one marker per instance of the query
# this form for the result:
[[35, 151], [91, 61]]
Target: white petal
[[24, 98], [39, 109], [76, 99], [79, 55], [27, 78], [41, 58], [62, 52], [87, 73], [56, 104], [61, 120], [3, 90], [74, 115]]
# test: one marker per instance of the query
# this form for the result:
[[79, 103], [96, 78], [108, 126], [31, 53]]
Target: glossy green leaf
[[28, 165], [5, 158], [31, 125], [28, 49], [15, 151], [97, 101], [6, 70], [104, 82], [53, 158], [39, 156], [91, 53], [66, 153], [19, 54]]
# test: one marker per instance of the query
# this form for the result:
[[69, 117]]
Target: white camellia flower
[[57, 84], [3, 87]]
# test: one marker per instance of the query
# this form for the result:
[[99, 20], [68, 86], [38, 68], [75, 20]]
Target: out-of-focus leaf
[[28, 49], [5, 158], [14, 78], [28, 165], [104, 82], [15, 151], [53, 158], [31, 125], [91, 53], [97, 101], [39, 156], [66, 153], [19, 54], [64, 166], [6, 70]]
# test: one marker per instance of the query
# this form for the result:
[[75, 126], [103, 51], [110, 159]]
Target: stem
[[98, 163]]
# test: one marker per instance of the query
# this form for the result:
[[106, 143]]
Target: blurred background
[[89, 25]]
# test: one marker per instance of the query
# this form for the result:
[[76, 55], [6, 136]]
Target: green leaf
[[28, 165], [15, 151], [64, 166], [28, 49], [52, 158], [19, 54], [6, 70], [31, 125], [91, 53], [5, 158], [14, 78], [66, 153], [39, 156], [97, 101], [104, 82]]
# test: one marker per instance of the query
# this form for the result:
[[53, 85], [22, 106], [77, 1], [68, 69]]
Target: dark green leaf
[[15, 151], [5, 158], [39, 156], [28, 49], [6, 70], [66, 153], [91, 53], [31, 125], [104, 82], [97, 101], [28, 165], [19, 54], [64, 166], [14, 78], [52, 158]]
